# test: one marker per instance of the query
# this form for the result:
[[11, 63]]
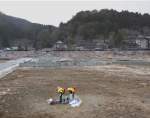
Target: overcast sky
[[54, 12]]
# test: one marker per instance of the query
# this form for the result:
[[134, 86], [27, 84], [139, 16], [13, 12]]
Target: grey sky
[[54, 12]]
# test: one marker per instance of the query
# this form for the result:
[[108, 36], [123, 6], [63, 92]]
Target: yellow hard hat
[[71, 89], [60, 90]]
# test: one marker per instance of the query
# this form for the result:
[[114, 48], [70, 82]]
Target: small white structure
[[59, 45], [80, 48], [142, 42], [14, 48]]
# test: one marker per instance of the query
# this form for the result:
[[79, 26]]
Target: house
[[142, 42], [59, 45], [137, 42], [130, 42], [101, 44], [148, 41]]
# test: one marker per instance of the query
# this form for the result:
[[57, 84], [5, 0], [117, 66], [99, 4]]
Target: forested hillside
[[85, 27], [104, 25], [19, 32]]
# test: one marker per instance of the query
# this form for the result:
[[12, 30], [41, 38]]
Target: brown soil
[[3, 61], [106, 92]]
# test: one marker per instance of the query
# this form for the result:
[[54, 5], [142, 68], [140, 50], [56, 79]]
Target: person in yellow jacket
[[72, 91], [61, 91]]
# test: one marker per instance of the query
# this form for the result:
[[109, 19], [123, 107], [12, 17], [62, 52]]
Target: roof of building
[[60, 42], [148, 37]]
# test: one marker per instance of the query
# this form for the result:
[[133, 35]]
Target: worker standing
[[72, 91], [61, 91]]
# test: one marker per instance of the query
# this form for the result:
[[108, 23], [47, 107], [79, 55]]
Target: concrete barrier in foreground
[[10, 66]]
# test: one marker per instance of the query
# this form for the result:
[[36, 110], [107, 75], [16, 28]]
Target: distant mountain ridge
[[18, 22], [18, 30]]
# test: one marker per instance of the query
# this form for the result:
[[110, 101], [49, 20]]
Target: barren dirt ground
[[107, 92], [3, 61]]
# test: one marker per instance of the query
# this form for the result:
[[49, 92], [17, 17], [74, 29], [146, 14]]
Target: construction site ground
[[106, 91]]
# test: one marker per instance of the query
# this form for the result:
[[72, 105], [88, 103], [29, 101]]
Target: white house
[[59, 45], [142, 42]]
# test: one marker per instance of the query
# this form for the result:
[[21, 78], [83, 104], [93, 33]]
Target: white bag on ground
[[75, 102]]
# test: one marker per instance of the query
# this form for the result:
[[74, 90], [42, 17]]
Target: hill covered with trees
[[105, 24], [19, 32], [86, 27]]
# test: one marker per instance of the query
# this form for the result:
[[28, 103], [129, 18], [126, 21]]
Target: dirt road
[[119, 92]]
